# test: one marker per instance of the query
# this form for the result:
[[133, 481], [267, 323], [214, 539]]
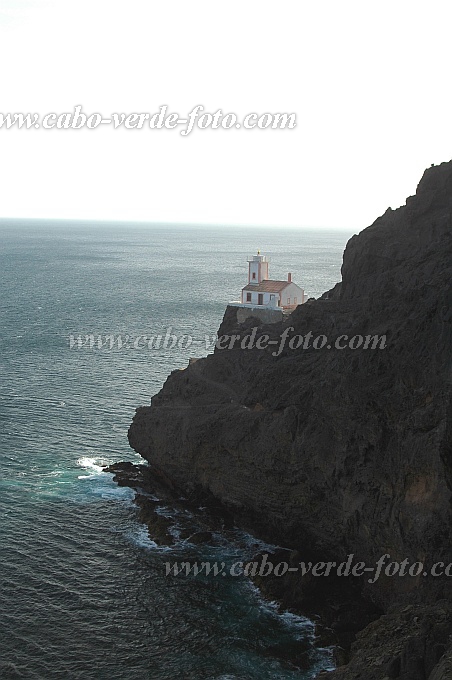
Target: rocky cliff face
[[335, 451]]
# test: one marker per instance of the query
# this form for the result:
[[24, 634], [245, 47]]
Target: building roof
[[268, 286]]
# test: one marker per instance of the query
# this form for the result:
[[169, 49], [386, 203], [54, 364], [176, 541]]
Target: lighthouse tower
[[257, 268]]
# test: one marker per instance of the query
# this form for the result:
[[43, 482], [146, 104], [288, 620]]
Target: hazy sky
[[369, 83]]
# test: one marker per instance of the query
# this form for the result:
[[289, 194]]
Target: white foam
[[140, 537], [89, 464]]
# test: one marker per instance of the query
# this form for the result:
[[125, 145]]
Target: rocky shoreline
[[337, 452], [338, 612]]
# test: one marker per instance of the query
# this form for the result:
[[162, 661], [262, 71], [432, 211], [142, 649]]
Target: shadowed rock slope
[[338, 451]]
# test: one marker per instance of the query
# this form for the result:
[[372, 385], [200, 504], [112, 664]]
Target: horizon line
[[153, 223]]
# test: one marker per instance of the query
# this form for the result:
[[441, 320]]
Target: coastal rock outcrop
[[335, 451]]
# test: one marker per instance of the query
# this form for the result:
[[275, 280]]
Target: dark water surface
[[83, 588]]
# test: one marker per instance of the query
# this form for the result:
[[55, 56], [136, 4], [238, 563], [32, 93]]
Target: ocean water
[[83, 591]]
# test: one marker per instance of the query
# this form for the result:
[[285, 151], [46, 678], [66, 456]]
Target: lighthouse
[[262, 292]]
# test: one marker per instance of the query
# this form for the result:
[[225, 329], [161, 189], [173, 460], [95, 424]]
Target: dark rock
[[401, 644], [393, 668], [158, 525], [338, 601], [200, 537], [412, 660], [341, 451]]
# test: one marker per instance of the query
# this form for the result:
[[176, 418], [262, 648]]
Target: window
[[260, 299], [248, 297], [254, 275], [288, 300]]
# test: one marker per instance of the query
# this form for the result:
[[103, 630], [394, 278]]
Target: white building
[[261, 291]]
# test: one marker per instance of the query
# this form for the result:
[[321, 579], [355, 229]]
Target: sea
[[83, 587]]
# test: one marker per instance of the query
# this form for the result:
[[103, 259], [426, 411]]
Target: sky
[[369, 84]]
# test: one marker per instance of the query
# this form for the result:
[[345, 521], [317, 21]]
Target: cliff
[[335, 451]]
